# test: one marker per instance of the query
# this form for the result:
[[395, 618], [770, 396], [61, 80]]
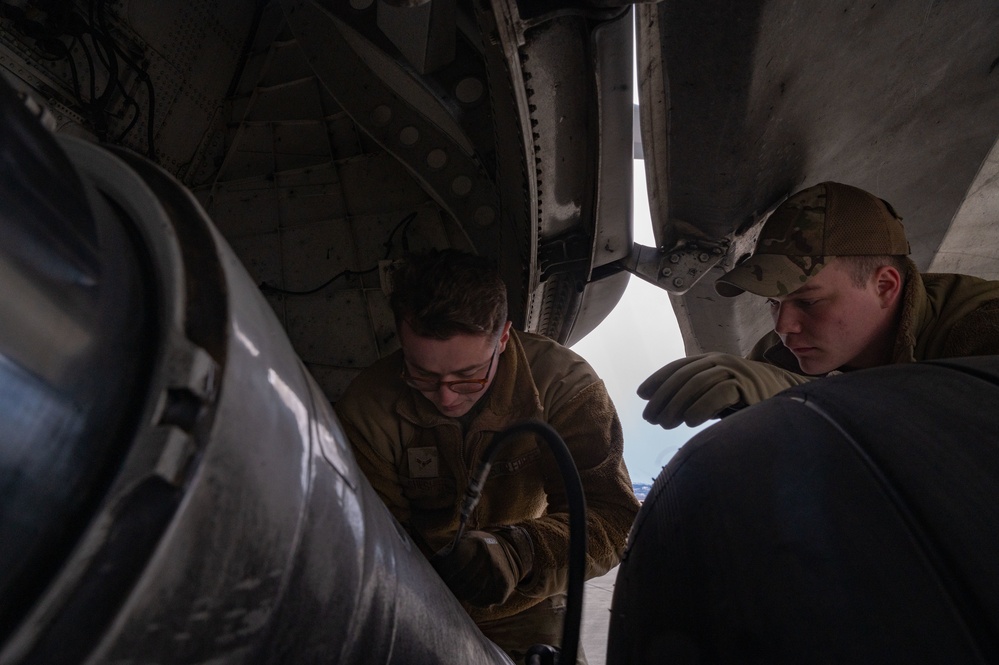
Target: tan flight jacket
[[419, 461]]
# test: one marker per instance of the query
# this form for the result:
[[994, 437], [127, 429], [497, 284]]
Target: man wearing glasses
[[420, 419]]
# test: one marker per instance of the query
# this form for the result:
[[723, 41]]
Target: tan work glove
[[486, 566], [698, 388]]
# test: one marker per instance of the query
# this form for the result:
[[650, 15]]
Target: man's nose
[[446, 396], [785, 320]]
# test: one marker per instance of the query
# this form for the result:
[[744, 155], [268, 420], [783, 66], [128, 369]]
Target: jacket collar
[[915, 315]]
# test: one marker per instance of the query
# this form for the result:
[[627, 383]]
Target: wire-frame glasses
[[462, 387]]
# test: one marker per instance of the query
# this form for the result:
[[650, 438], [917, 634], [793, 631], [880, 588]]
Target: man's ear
[[888, 283], [505, 336]]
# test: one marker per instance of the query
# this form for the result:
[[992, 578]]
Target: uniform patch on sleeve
[[423, 462]]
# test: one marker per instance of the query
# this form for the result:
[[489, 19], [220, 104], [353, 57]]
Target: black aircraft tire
[[849, 520]]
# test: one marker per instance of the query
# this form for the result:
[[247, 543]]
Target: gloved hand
[[695, 389], [485, 566]]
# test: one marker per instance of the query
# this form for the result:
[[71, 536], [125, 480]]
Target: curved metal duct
[[176, 488], [66, 330]]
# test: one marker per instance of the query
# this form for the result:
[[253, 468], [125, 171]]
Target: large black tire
[[851, 520]]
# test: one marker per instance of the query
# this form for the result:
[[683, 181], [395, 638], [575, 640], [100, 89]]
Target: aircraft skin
[[744, 105], [312, 133]]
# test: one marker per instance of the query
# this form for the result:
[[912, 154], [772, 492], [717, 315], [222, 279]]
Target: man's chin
[[815, 367], [455, 412]]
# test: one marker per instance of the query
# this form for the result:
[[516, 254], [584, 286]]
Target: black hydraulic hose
[[577, 521]]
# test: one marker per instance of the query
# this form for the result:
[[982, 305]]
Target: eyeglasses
[[462, 387]]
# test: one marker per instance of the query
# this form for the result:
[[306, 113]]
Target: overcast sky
[[638, 337]]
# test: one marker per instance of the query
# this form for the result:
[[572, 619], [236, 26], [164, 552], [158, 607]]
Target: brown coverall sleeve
[[589, 425]]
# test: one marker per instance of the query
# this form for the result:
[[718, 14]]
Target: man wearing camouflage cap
[[832, 262]]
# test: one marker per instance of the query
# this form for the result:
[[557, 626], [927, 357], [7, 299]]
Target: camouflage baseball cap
[[818, 223]]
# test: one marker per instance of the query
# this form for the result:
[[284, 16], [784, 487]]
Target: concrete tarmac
[[597, 596]]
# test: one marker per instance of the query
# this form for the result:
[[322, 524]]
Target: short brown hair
[[861, 268], [442, 293]]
